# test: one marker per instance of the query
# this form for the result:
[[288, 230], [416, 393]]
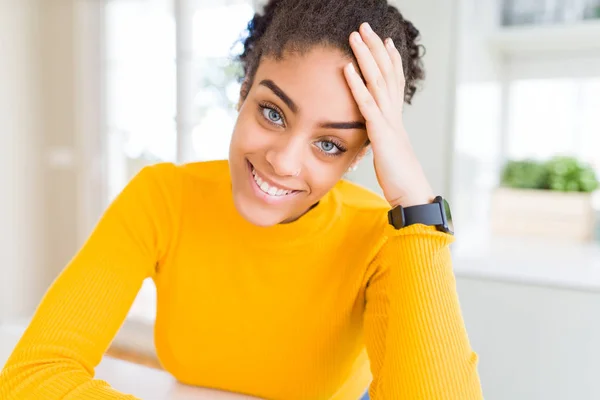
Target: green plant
[[567, 174], [561, 173], [525, 174]]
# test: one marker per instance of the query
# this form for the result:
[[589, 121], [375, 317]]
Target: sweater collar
[[308, 227]]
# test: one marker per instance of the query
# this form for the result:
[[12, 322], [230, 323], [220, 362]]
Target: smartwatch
[[435, 214]]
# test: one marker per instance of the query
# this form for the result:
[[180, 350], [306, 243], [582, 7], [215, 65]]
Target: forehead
[[314, 80]]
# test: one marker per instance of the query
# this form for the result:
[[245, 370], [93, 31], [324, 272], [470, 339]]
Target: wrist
[[413, 200], [419, 194], [410, 188]]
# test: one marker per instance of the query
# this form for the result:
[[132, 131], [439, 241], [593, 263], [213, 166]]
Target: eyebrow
[[344, 125], [290, 103], [280, 93]]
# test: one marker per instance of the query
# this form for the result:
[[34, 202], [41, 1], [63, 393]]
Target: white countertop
[[149, 384], [142, 382], [537, 261]]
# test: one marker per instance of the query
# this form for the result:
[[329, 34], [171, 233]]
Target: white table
[[145, 383]]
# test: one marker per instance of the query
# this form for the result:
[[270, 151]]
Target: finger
[[381, 56], [397, 63], [364, 99], [376, 83]]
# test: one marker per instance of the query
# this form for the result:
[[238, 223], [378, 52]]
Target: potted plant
[[592, 9], [549, 198]]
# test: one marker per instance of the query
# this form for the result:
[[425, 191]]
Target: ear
[[359, 156], [244, 90]]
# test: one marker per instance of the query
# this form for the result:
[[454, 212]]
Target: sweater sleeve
[[414, 331], [85, 306]]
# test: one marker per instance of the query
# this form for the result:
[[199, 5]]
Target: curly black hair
[[298, 25]]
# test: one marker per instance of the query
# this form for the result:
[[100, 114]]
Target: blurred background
[[507, 127]]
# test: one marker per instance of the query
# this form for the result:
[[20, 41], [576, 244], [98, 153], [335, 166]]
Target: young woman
[[275, 277]]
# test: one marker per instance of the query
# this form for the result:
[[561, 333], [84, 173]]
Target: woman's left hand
[[381, 102]]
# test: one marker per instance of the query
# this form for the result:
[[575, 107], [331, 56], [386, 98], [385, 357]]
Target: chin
[[259, 216]]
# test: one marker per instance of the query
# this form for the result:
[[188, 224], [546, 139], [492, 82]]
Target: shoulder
[[206, 171], [152, 188], [364, 210], [364, 219], [170, 175], [161, 191], [360, 200], [162, 183]]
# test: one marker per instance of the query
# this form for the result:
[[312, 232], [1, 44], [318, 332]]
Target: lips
[[268, 191], [267, 188]]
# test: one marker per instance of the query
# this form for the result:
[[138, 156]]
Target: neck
[[292, 219]]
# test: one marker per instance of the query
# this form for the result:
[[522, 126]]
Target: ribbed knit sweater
[[314, 309]]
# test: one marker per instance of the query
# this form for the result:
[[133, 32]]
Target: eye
[[330, 148], [272, 115]]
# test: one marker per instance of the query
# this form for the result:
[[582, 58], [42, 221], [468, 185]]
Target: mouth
[[267, 190]]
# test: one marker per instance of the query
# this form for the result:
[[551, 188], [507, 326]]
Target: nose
[[286, 157]]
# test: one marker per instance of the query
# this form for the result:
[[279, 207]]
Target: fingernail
[[368, 28], [357, 38], [351, 67], [390, 43]]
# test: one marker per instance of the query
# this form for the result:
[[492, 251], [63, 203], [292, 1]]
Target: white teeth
[[265, 187]]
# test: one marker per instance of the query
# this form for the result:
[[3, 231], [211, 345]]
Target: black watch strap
[[435, 214], [426, 214]]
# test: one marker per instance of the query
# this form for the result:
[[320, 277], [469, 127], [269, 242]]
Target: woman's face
[[297, 133]]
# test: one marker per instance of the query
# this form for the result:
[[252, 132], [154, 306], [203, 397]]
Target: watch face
[[448, 215]]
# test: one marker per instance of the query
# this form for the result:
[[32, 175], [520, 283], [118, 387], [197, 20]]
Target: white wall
[[21, 244], [476, 61], [479, 122], [59, 107], [38, 149]]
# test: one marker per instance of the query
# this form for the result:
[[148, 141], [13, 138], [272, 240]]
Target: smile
[[271, 190], [267, 190]]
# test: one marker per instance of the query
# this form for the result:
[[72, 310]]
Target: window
[[216, 87], [528, 12], [171, 89], [141, 88], [542, 118], [554, 116], [535, 100]]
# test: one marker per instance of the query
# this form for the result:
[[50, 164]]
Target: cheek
[[323, 177], [248, 135]]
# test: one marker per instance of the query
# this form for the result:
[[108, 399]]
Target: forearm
[[86, 305], [70, 331], [428, 355], [53, 379]]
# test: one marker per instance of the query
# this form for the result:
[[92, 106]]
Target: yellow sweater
[[284, 312]]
